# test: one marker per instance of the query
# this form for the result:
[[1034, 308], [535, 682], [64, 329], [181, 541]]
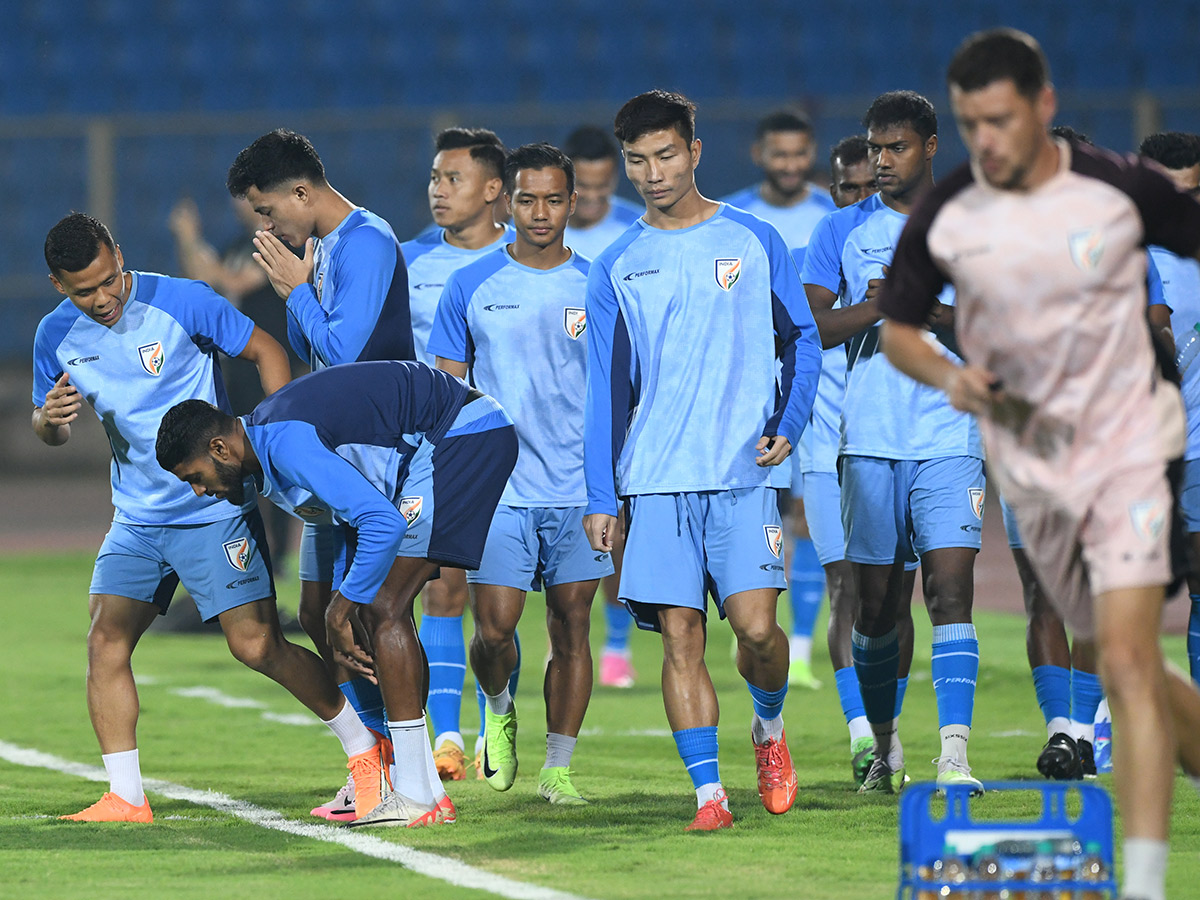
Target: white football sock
[[125, 776], [799, 647], [709, 791], [954, 742], [1145, 869], [559, 748], [500, 704], [348, 728], [453, 737], [1059, 725], [410, 741], [859, 728], [763, 730]]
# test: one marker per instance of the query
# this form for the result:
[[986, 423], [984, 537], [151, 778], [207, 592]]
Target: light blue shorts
[[222, 564], [902, 509], [322, 552], [681, 547], [1189, 496], [1010, 527], [531, 547], [823, 511]]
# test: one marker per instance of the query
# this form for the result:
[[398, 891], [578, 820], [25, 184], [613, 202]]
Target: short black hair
[[655, 110], [187, 429], [592, 143], [902, 108], [1067, 133], [537, 156], [74, 243], [999, 54], [782, 120], [850, 150], [277, 156], [1172, 149], [486, 148]]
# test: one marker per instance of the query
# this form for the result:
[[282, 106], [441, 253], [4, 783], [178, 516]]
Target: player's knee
[[257, 651], [312, 620], [759, 636], [948, 606], [1128, 668]]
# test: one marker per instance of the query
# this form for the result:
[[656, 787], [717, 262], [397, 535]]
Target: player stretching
[[130, 343], [1043, 241], [466, 181], [687, 312], [412, 461], [515, 319], [347, 300], [600, 218], [912, 469]]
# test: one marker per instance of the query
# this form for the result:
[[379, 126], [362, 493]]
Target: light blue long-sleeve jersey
[[684, 330], [159, 353], [1180, 279], [522, 331], [590, 242], [796, 222]]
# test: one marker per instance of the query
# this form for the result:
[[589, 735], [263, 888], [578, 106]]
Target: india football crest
[[976, 496], [410, 508], [727, 272], [152, 357], [1087, 246], [575, 322], [237, 553], [1149, 519], [774, 536]]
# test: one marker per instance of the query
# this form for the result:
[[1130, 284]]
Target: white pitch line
[[431, 865]]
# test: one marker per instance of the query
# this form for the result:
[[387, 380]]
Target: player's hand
[[184, 221], [347, 639], [284, 270], [875, 287], [601, 530], [62, 402], [772, 450], [973, 389]]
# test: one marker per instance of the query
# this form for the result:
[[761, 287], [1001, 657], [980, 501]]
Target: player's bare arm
[[346, 638], [969, 388], [772, 450], [601, 531], [284, 269], [453, 366], [836, 326], [1160, 327], [52, 421], [265, 352]]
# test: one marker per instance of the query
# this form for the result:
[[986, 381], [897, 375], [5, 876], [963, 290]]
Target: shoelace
[[951, 763], [772, 756]]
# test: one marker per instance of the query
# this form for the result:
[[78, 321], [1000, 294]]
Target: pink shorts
[[1115, 535]]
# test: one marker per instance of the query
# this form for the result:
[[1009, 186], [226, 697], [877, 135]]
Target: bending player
[[1080, 451], [515, 320], [697, 274], [129, 342], [410, 462]]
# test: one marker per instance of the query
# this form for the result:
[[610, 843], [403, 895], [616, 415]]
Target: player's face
[[661, 166], [595, 183], [286, 212], [460, 188], [1187, 180], [1003, 130], [851, 183], [898, 158], [211, 477], [99, 290], [786, 158], [540, 205]]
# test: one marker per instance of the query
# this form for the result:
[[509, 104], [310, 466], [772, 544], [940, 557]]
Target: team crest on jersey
[[976, 495], [410, 508], [727, 272], [152, 356], [1087, 246], [238, 553], [575, 322], [774, 535], [1149, 519]]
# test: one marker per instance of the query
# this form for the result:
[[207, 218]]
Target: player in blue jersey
[[409, 462], [131, 344], [515, 320], [911, 466], [347, 301], [466, 182], [600, 218], [1179, 154], [690, 314]]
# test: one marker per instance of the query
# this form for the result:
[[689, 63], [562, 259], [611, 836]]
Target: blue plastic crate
[[923, 837]]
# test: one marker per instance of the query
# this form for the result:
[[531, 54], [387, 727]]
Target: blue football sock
[[848, 693], [513, 679], [1193, 638], [1086, 694], [617, 622], [806, 587], [955, 668], [442, 638], [767, 704], [698, 750], [1054, 690], [367, 702], [876, 662], [901, 688]]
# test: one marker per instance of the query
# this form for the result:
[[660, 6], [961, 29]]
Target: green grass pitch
[[628, 844]]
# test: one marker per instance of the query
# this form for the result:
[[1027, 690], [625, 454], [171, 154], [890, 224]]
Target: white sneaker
[[396, 810], [341, 807], [951, 773]]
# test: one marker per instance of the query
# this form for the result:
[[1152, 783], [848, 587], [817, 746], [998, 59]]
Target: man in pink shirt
[[1045, 245]]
